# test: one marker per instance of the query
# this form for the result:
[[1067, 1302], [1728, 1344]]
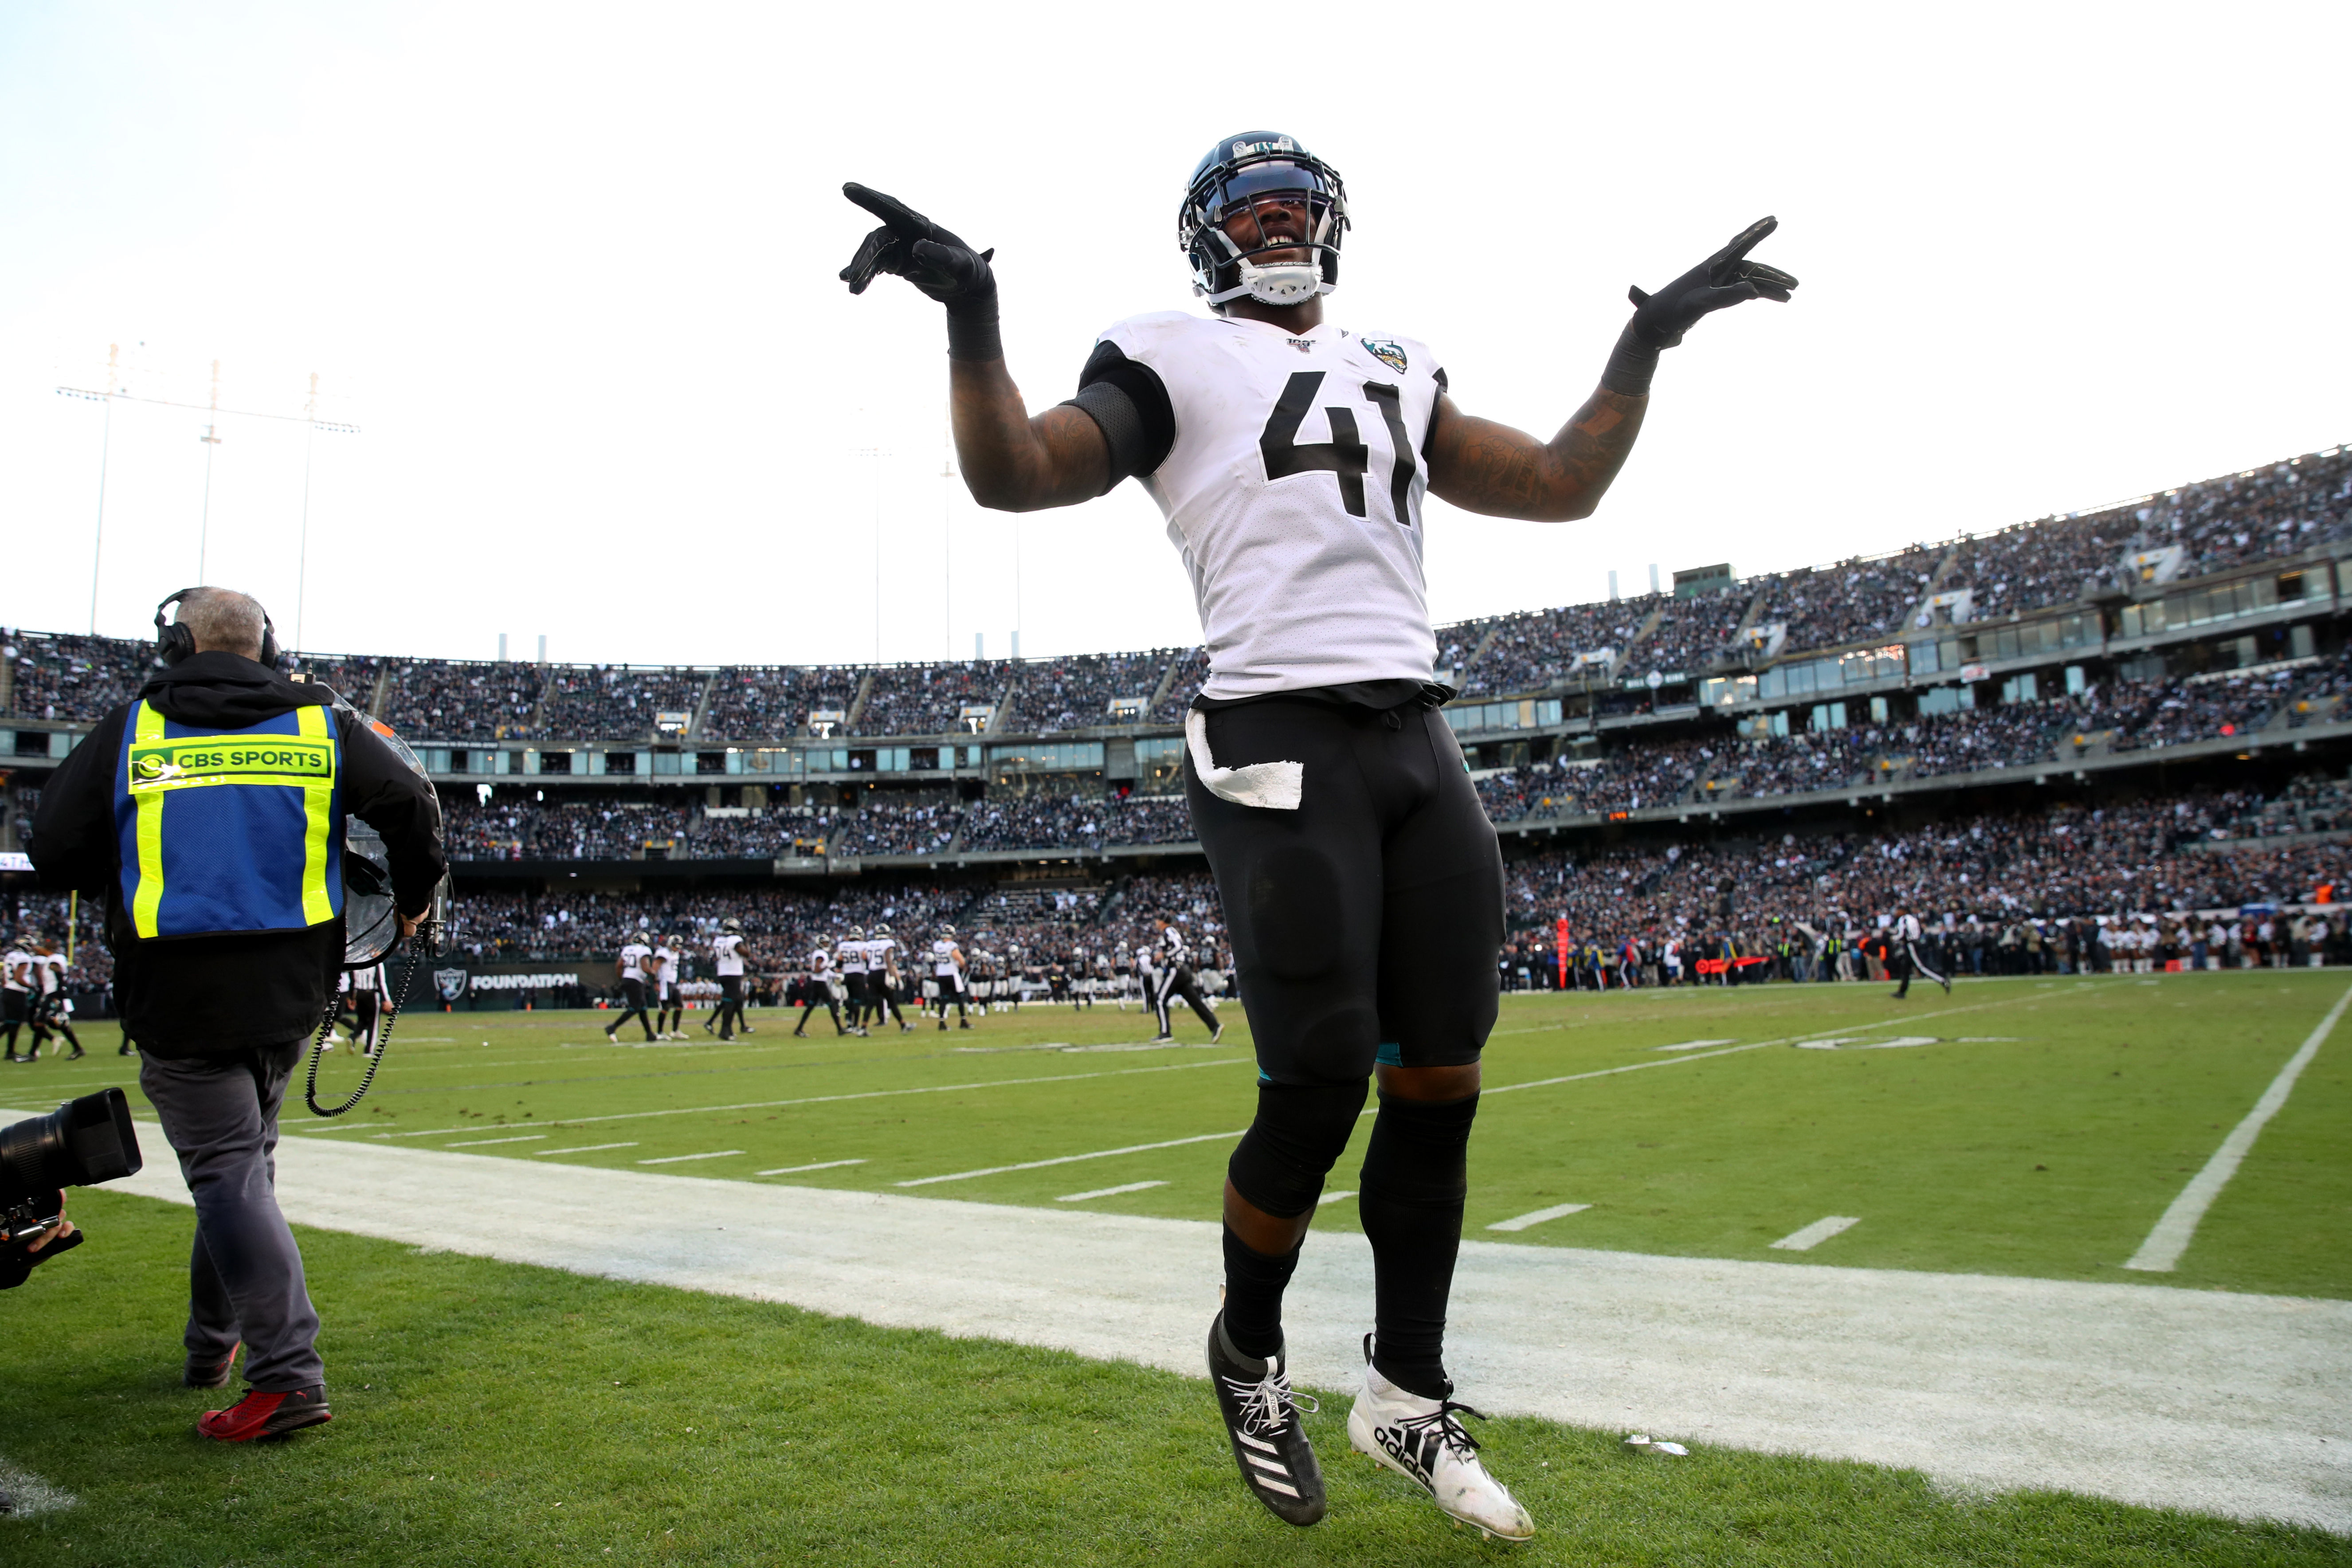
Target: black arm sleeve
[[73, 829], [1131, 404], [392, 797]]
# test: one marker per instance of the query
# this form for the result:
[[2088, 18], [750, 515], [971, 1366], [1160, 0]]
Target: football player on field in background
[[52, 1010], [1361, 879], [948, 965], [882, 964], [817, 992], [636, 953], [669, 1001], [727, 961]]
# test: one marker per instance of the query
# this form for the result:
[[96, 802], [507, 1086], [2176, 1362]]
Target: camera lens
[[81, 1142]]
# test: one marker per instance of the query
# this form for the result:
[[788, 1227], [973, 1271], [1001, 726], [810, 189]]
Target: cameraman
[[210, 813]]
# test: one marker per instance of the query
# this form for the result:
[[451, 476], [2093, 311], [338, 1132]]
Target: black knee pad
[[1298, 1133], [1418, 1153]]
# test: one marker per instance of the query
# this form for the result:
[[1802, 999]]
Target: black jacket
[[191, 997]]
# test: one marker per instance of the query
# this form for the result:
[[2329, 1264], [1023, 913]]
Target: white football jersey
[[726, 953], [14, 971], [633, 961], [943, 959], [849, 955], [821, 963], [668, 973], [878, 949], [49, 970], [1293, 492]]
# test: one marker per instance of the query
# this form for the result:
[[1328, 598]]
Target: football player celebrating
[[1291, 458]]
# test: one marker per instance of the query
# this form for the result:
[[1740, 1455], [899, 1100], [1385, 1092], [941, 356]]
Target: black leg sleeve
[[1415, 1175]]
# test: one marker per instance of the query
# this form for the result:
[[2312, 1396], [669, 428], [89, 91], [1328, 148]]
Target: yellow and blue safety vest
[[225, 831]]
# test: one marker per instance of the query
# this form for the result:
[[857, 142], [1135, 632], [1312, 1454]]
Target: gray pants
[[245, 1274]]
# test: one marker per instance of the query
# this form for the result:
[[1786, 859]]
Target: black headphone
[[175, 642]]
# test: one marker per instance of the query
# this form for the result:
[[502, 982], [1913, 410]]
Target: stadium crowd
[[2218, 524], [1075, 693], [929, 700]]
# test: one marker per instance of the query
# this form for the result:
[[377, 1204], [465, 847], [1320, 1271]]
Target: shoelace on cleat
[[1267, 1404], [1442, 1424]]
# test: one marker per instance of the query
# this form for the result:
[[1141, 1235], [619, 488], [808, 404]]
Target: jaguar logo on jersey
[[1388, 353], [450, 983]]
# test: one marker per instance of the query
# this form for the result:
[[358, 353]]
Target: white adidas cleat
[[1424, 1439]]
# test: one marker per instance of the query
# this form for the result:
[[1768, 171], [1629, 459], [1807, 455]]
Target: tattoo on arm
[[1483, 467]]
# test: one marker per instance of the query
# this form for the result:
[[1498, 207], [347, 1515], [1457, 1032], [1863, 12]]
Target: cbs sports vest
[[230, 831]]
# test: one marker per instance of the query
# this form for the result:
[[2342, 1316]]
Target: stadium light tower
[[947, 540], [115, 392], [878, 453]]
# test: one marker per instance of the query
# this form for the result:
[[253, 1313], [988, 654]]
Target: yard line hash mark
[[796, 1170], [1107, 1192], [1066, 1159], [677, 1159], [584, 1149], [477, 1142], [1817, 1232], [1556, 1211], [2161, 1253]]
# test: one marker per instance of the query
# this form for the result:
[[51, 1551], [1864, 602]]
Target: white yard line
[[478, 1143], [2161, 1253], [2214, 1401], [682, 1158], [1065, 1160], [1493, 1090], [1340, 1195], [1556, 1211], [1109, 1191], [582, 1148], [1817, 1232], [796, 1170]]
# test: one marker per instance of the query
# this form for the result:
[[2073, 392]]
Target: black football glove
[[936, 262], [1726, 277]]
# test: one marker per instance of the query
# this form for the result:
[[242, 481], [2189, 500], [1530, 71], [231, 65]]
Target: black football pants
[[1366, 926]]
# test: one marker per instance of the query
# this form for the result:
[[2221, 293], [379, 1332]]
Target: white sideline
[[2161, 1253], [2236, 1405]]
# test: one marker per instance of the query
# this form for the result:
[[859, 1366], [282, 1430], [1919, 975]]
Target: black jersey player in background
[[1291, 457]]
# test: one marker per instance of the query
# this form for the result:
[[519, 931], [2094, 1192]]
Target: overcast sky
[[572, 272]]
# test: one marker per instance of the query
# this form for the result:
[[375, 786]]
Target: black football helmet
[[1255, 172]]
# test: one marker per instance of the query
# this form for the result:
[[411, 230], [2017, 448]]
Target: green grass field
[[491, 1412], [2041, 1134]]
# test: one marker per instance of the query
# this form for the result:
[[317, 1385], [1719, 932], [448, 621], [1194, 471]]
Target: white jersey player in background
[[849, 960], [726, 962], [16, 998], [1291, 457], [636, 955], [669, 1001], [817, 991], [882, 975], [948, 968]]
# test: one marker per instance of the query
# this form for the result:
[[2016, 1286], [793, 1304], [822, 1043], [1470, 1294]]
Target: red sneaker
[[260, 1415]]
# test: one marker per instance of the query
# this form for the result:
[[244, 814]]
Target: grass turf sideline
[[493, 1413]]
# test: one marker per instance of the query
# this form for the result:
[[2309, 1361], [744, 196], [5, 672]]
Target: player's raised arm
[[1484, 467], [1011, 462]]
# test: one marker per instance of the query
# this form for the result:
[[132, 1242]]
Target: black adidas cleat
[[1277, 1463]]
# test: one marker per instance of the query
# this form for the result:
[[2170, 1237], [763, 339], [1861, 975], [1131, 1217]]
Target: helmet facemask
[[1242, 221]]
